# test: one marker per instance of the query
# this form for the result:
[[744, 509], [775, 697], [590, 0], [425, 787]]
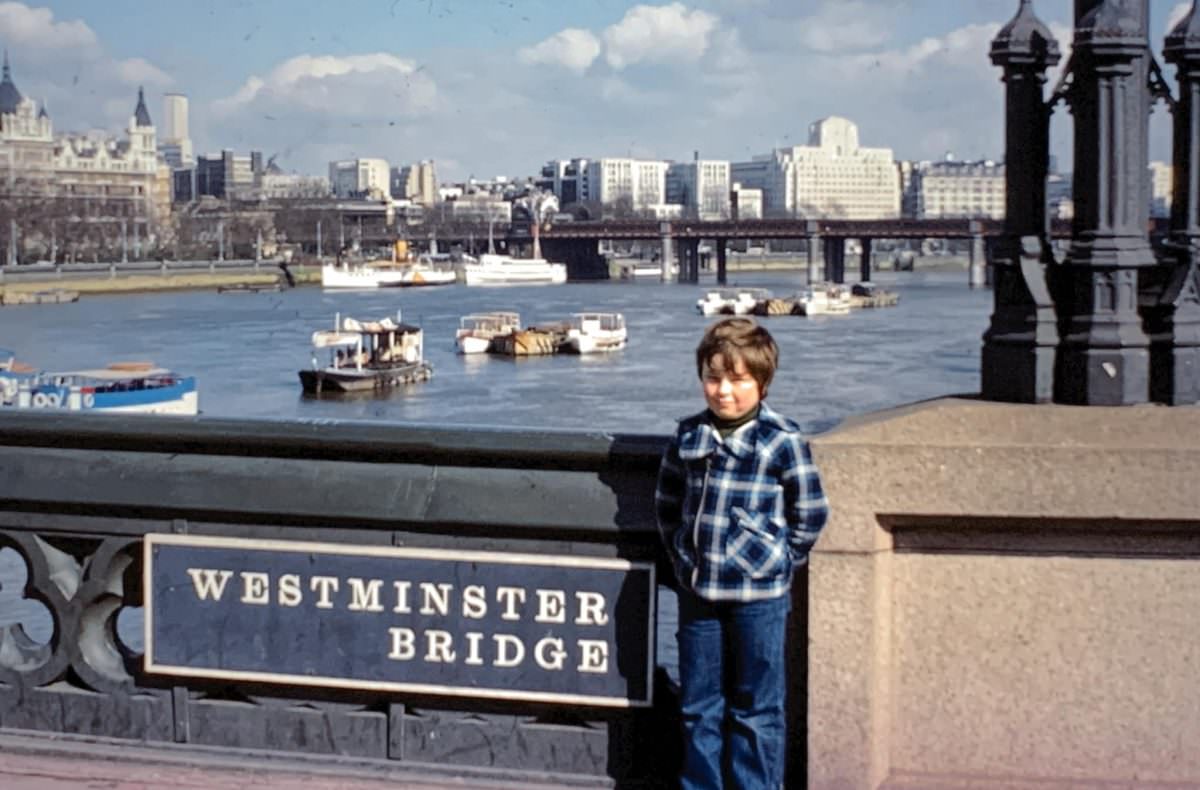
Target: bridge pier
[[665, 253], [689, 260], [721, 249], [835, 259], [977, 269], [864, 259], [813, 239]]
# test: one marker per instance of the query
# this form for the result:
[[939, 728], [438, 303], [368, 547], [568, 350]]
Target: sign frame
[[152, 540]]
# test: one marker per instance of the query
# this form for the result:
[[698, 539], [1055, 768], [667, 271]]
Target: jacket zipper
[[696, 521]]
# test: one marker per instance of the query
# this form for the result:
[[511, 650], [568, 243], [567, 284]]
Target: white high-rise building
[[175, 143], [701, 187], [358, 178], [833, 176]]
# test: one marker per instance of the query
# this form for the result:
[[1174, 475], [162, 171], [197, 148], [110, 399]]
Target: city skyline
[[491, 88]]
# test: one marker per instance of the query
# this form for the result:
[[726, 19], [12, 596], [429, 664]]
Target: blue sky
[[489, 87]]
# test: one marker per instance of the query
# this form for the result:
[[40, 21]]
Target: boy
[[739, 505]]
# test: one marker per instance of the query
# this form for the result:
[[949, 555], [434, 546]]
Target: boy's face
[[729, 389]]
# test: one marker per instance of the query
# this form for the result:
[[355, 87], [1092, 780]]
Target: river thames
[[245, 351]]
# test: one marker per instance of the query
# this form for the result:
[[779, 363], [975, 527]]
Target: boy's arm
[[668, 499], [804, 500]]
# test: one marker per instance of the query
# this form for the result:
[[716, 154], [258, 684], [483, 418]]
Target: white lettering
[[503, 643], [510, 597], [289, 590], [403, 647], [552, 606], [402, 597], [474, 602], [436, 598], [254, 588], [439, 648], [557, 655], [209, 582], [364, 597], [593, 655], [473, 640], [326, 586], [591, 609]]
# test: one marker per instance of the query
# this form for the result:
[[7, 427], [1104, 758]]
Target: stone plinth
[[1007, 596]]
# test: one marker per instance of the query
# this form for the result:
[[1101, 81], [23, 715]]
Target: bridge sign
[[563, 629]]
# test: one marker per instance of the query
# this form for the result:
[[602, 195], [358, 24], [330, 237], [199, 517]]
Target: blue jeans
[[732, 678]]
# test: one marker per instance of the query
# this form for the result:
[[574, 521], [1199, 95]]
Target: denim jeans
[[732, 677]]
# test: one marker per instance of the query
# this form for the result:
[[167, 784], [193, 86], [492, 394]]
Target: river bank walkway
[[151, 281]]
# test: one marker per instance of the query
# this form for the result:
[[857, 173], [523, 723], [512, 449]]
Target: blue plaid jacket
[[738, 514]]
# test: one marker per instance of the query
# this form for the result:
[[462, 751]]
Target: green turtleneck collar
[[727, 427]]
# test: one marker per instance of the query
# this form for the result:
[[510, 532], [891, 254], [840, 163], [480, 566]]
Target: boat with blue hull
[[138, 388]]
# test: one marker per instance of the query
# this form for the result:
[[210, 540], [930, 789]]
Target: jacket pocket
[[753, 547]]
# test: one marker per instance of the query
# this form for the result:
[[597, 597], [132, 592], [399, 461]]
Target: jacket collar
[[699, 439]]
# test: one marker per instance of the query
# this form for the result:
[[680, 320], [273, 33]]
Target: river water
[[245, 351]]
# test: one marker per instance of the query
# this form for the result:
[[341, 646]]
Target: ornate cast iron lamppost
[[1019, 345], [1104, 357], [1174, 323]]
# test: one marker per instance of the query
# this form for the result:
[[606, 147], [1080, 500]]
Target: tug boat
[[366, 356]]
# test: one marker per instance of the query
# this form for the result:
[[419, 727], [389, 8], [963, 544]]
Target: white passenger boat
[[823, 299], [731, 301], [349, 275], [493, 269], [122, 387], [590, 333], [476, 331], [641, 270], [365, 356]]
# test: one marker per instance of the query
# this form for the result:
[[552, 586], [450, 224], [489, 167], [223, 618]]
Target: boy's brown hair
[[740, 338]]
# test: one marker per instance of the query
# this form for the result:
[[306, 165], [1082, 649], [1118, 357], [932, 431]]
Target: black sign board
[[574, 630]]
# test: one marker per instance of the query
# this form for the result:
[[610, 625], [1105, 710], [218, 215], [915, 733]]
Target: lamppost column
[[1104, 357], [1173, 320], [1017, 361]]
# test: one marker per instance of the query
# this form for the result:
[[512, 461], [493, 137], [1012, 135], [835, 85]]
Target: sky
[[498, 87]]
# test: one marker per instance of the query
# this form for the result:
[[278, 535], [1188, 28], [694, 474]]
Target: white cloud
[[376, 84], [573, 48], [35, 28], [137, 71], [845, 25], [1178, 12], [658, 34], [63, 63]]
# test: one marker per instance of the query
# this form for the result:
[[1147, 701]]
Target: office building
[[359, 178], [832, 176]]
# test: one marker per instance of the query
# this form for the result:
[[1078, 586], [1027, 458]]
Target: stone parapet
[[1007, 596]]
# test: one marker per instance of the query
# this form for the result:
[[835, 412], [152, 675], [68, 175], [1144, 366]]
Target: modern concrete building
[[1160, 189], [360, 178], [700, 186], [833, 176], [615, 184], [953, 188], [416, 182], [748, 202], [175, 143]]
